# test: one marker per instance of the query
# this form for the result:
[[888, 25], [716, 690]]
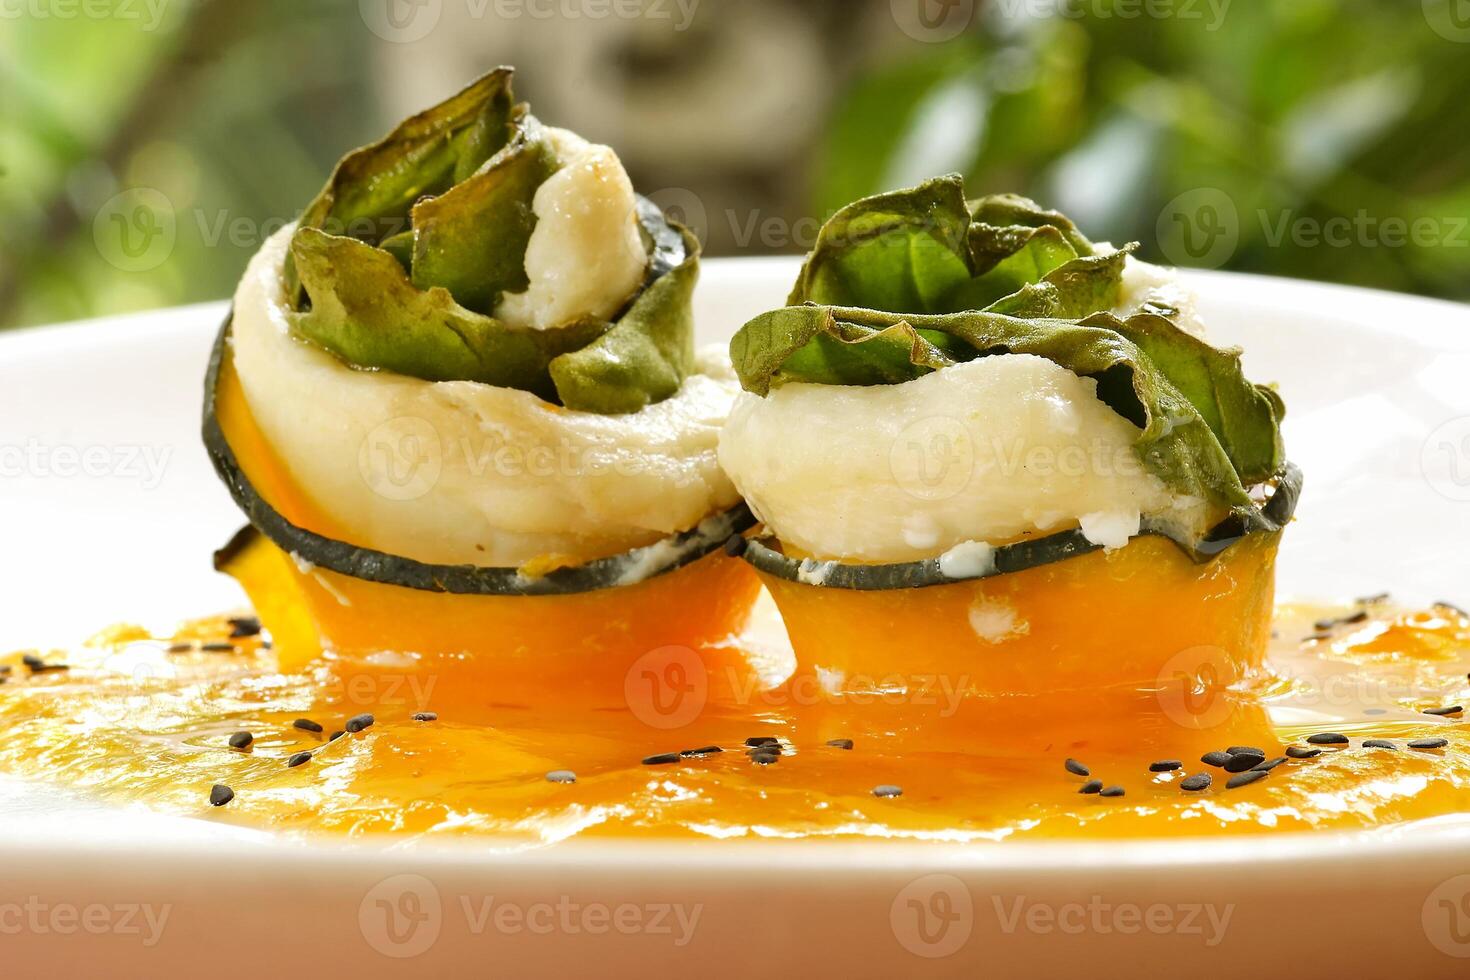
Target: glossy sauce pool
[[142, 719]]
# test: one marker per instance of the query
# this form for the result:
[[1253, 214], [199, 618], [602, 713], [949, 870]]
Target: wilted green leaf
[[645, 356]]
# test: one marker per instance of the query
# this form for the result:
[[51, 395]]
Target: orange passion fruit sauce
[[141, 718], [941, 714]]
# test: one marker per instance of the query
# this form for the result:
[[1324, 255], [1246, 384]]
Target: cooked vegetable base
[[140, 718]]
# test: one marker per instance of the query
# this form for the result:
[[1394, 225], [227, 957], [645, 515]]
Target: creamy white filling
[[968, 559], [465, 473], [586, 256], [987, 451], [1159, 286]]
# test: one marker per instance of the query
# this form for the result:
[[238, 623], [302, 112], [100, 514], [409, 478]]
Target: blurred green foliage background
[[1317, 138]]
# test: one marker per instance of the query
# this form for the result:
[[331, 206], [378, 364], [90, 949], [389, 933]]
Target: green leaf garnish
[[402, 259], [928, 250], [366, 310], [642, 359]]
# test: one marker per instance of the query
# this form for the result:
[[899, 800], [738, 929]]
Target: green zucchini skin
[[656, 559], [1022, 555]]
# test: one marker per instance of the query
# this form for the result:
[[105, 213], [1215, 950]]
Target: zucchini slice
[[765, 556]]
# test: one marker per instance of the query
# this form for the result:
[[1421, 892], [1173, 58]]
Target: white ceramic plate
[[109, 511]]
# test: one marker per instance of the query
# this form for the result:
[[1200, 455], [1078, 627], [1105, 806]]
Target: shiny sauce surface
[[143, 719]]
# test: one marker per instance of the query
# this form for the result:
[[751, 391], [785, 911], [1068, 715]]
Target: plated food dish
[[1017, 516], [460, 403]]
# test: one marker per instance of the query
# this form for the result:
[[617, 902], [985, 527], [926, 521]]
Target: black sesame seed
[[1297, 752], [217, 647], [1245, 778], [1369, 600], [1452, 709], [773, 749], [335, 735], [38, 666], [662, 759], [1441, 604], [1091, 786], [1242, 762], [1076, 768], [306, 725], [757, 741], [840, 743], [1194, 784], [300, 758], [179, 648], [357, 723], [241, 740], [764, 757], [1165, 765], [425, 716], [561, 776], [1429, 743], [220, 794], [1112, 791], [735, 545], [1246, 750], [1216, 759], [1269, 765], [701, 753], [4, 670], [1316, 637], [1327, 738], [243, 626], [1379, 743], [887, 792], [1327, 624]]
